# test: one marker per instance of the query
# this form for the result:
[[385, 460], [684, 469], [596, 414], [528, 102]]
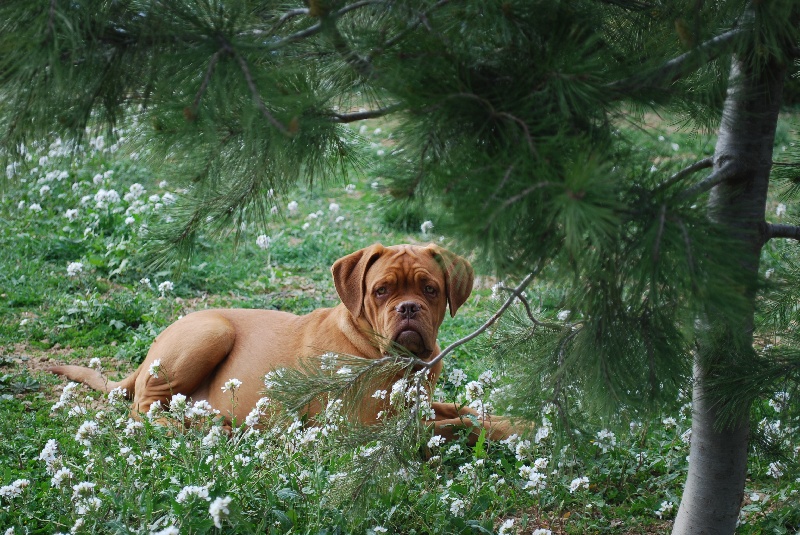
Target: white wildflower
[[219, 510], [436, 441], [200, 409], [474, 390], [665, 508], [166, 286], [74, 268], [506, 527], [192, 490], [35, 207], [606, 440], [178, 403], [426, 227], [213, 437], [231, 385], [457, 377], [578, 483], [263, 241], [87, 430], [292, 206], [780, 211], [669, 422], [457, 507], [563, 315], [155, 368], [487, 378], [117, 395], [14, 490], [776, 470], [61, 476]]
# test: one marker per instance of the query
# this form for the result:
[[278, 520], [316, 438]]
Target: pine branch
[[51, 18], [791, 232], [362, 65], [286, 16], [254, 90], [705, 163], [366, 114], [519, 196], [416, 24], [717, 177], [676, 68], [204, 85]]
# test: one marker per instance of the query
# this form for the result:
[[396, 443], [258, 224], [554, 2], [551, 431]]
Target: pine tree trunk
[[718, 457]]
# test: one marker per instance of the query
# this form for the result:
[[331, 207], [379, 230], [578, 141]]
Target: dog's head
[[403, 292]]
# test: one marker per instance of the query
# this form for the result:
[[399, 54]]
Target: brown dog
[[390, 295]]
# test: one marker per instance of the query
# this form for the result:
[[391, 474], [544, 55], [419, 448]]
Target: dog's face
[[403, 292]]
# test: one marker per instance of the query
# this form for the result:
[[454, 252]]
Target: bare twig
[[705, 163], [782, 231], [678, 67], [529, 312], [515, 293]]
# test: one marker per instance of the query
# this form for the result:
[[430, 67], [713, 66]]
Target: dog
[[390, 296]]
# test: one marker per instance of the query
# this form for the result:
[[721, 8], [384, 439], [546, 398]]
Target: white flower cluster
[[67, 396], [606, 440], [578, 483], [534, 476], [14, 490], [665, 509]]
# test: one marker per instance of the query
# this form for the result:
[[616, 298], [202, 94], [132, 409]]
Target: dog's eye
[[430, 290], [381, 291]]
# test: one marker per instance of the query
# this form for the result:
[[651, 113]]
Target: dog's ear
[[349, 273], [458, 276]]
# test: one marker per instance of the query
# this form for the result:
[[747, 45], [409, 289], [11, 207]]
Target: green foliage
[[516, 127]]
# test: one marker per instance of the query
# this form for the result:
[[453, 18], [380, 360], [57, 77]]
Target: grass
[[114, 475]]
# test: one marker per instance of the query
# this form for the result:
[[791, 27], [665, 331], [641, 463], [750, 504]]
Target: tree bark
[[714, 488]]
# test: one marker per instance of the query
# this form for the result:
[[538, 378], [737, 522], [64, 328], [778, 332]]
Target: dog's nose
[[407, 309]]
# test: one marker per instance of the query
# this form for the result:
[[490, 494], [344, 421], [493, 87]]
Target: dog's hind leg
[[183, 357]]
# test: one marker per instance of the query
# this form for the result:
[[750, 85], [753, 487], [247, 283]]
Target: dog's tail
[[94, 379]]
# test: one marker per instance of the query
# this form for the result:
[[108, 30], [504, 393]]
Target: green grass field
[[74, 286]]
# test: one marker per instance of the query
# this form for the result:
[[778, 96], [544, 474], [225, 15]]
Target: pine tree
[[509, 119]]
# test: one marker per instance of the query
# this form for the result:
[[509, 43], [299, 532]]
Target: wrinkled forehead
[[405, 263]]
